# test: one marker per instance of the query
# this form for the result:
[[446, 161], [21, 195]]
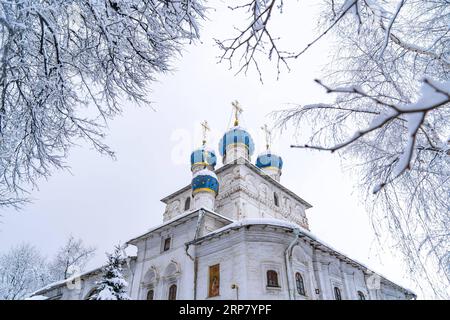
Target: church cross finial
[[268, 134], [205, 128], [237, 111]]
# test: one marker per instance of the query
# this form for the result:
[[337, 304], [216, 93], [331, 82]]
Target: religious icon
[[214, 280]]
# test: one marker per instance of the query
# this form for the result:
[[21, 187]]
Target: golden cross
[[237, 110], [268, 134], [205, 128]]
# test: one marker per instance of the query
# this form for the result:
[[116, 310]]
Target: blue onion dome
[[205, 180], [269, 160], [236, 135], [203, 156]]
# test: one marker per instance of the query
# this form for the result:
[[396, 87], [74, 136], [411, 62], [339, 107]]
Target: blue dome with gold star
[[236, 136], [205, 180], [203, 156], [269, 160]]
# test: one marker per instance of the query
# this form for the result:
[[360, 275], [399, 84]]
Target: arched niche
[[172, 270], [151, 276]]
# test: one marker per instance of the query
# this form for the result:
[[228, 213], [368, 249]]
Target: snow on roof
[[62, 282], [205, 172], [236, 128], [267, 152], [205, 148], [37, 297], [178, 217], [68, 280], [256, 221]]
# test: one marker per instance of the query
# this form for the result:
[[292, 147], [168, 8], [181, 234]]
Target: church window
[[275, 199], [337, 294], [361, 296], [214, 280], [272, 278], [300, 284], [187, 204], [173, 292], [166, 244], [150, 294]]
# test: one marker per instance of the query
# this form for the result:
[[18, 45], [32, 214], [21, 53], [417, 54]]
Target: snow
[[106, 294], [113, 286], [258, 221], [236, 128], [37, 297], [68, 280], [429, 95], [432, 93], [177, 218], [205, 172], [205, 148], [381, 118], [265, 153]]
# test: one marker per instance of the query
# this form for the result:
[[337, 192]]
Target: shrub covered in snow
[[113, 285]]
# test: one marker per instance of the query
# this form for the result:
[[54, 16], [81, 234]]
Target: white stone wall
[[246, 255], [169, 267]]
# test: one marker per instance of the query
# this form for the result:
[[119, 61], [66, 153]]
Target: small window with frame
[[272, 279], [167, 243], [276, 201]]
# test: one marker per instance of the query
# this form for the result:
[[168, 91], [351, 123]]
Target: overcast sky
[[106, 202]]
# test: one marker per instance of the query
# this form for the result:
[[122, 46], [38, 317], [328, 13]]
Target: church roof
[[253, 168]]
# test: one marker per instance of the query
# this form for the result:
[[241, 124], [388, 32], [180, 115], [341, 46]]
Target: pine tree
[[113, 285]]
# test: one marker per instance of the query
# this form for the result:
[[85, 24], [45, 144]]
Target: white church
[[236, 232]]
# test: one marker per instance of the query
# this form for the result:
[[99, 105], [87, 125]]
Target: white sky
[[105, 201]]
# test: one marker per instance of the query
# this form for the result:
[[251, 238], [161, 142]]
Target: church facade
[[236, 233]]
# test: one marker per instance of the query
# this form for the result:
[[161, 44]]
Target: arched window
[[150, 294], [187, 204], [272, 278], [299, 283], [173, 292], [275, 199], [337, 294], [361, 296]]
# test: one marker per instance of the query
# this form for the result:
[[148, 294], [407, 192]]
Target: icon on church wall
[[214, 280]]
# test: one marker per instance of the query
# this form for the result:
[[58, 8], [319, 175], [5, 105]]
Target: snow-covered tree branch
[[58, 57], [70, 259]]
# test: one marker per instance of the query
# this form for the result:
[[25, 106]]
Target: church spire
[[205, 129], [268, 135], [271, 164], [237, 111], [236, 142], [203, 157]]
